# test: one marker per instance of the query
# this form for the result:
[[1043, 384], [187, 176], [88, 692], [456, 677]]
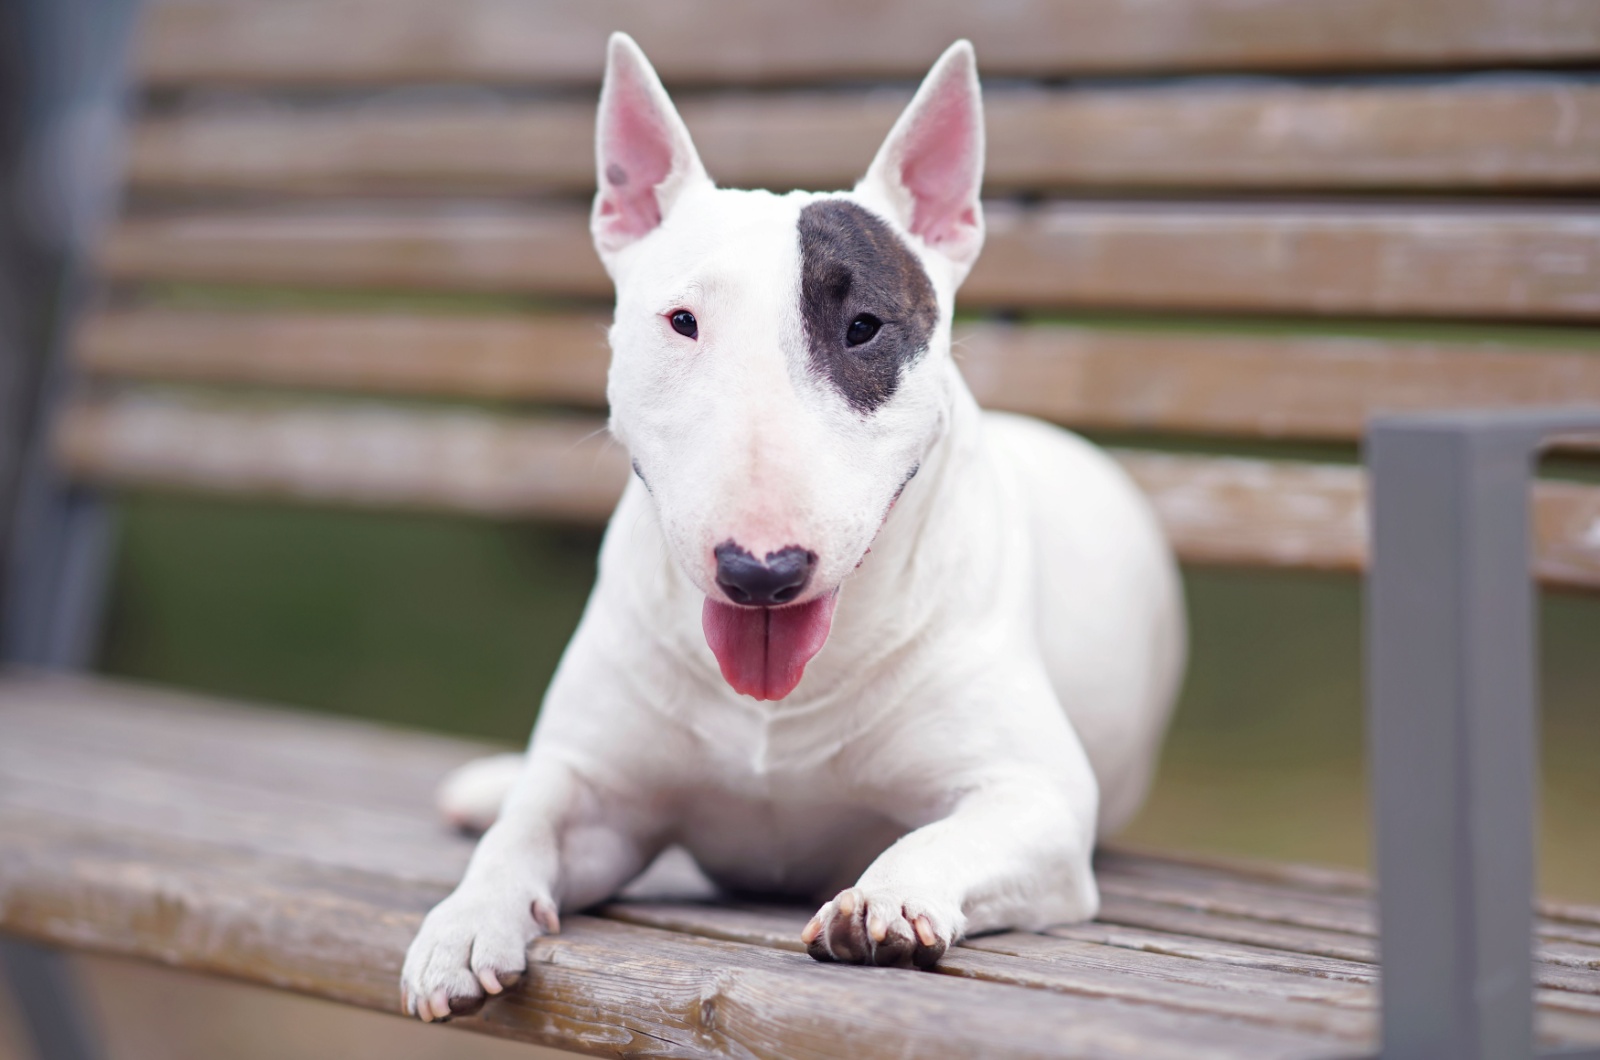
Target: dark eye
[[683, 323], [861, 329]]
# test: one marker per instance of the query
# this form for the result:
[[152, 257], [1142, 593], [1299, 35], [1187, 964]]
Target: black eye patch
[[868, 306]]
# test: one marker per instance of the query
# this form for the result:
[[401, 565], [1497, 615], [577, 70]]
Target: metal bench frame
[[1452, 726]]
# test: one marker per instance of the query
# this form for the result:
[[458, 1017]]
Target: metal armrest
[[1451, 682]]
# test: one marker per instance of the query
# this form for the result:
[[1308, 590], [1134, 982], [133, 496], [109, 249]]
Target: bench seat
[[300, 852]]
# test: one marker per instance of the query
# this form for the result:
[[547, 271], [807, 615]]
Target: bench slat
[[234, 841], [552, 357], [368, 455], [196, 888], [1266, 386], [1404, 260], [1476, 133], [602, 986], [1293, 386], [1339, 1010], [1480, 262], [300, 42], [1216, 510]]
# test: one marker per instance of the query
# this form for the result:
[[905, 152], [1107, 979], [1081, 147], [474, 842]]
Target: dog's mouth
[[763, 651]]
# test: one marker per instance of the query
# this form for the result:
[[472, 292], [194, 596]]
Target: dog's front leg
[[1012, 854], [555, 844]]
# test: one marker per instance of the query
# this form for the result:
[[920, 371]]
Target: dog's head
[[780, 364]]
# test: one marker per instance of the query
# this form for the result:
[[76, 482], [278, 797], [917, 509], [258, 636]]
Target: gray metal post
[[61, 111], [1452, 726]]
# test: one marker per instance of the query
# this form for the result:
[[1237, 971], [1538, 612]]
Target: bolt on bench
[[336, 209]]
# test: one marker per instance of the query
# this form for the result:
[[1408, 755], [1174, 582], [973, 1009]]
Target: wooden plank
[[1204, 949], [1474, 133], [1184, 920], [1217, 510], [207, 885], [1379, 260], [472, 248], [1219, 891], [1277, 386], [1235, 512], [161, 731], [1436, 261], [1258, 996], [368, 455], [1563, 994], [1289, 386], [160, 825], [550, 357], [609, 989], [300, 42], [1344, 889]]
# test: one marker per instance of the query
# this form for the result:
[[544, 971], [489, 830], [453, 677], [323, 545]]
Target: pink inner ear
[[636, 156], [939, 164]]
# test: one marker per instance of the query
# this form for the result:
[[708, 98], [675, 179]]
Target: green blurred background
[[456, 625]]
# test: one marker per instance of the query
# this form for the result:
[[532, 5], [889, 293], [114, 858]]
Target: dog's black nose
[[777, 580]]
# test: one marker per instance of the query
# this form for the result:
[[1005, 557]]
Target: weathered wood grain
[[1172, 910], [1250, 512], [370, 455], [1143, 940], [1086, 969], [1216, 510], [1481, 262], [355, 763], [1241, 882], [1498, 262], [300, 851], [542, 251], [547, 357], [1560, 991], [1475, 133], [1294, 386], [206, 885], [602, 988], [1289, 386], [301, 42]]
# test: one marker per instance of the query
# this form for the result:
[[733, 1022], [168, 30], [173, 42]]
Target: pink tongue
[[763, 651]]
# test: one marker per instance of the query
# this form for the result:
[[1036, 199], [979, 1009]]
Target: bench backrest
[[1210, 222]]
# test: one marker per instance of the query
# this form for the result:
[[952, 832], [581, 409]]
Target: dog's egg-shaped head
[[781, 364]]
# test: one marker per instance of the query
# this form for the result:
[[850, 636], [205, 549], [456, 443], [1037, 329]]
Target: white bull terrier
[[941, 727]]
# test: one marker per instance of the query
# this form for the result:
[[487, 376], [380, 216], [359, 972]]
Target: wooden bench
[[353, 268]]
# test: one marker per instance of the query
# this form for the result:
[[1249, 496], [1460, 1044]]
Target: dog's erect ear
[[930, 170], [643, 153]]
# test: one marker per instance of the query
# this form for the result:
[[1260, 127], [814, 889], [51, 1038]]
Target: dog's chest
[[784, 842]]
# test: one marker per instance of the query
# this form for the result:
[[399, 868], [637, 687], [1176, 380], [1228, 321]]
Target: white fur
[[1001, 665]]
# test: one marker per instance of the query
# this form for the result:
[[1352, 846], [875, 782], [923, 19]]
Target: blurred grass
[[456, 625], [433, 622]]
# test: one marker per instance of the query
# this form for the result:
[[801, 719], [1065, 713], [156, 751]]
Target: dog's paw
[[469, 948], [863, 926]]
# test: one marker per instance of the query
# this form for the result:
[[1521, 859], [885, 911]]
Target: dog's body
[[997, 672]]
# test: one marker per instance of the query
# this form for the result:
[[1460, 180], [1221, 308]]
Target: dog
[[852, 638]]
